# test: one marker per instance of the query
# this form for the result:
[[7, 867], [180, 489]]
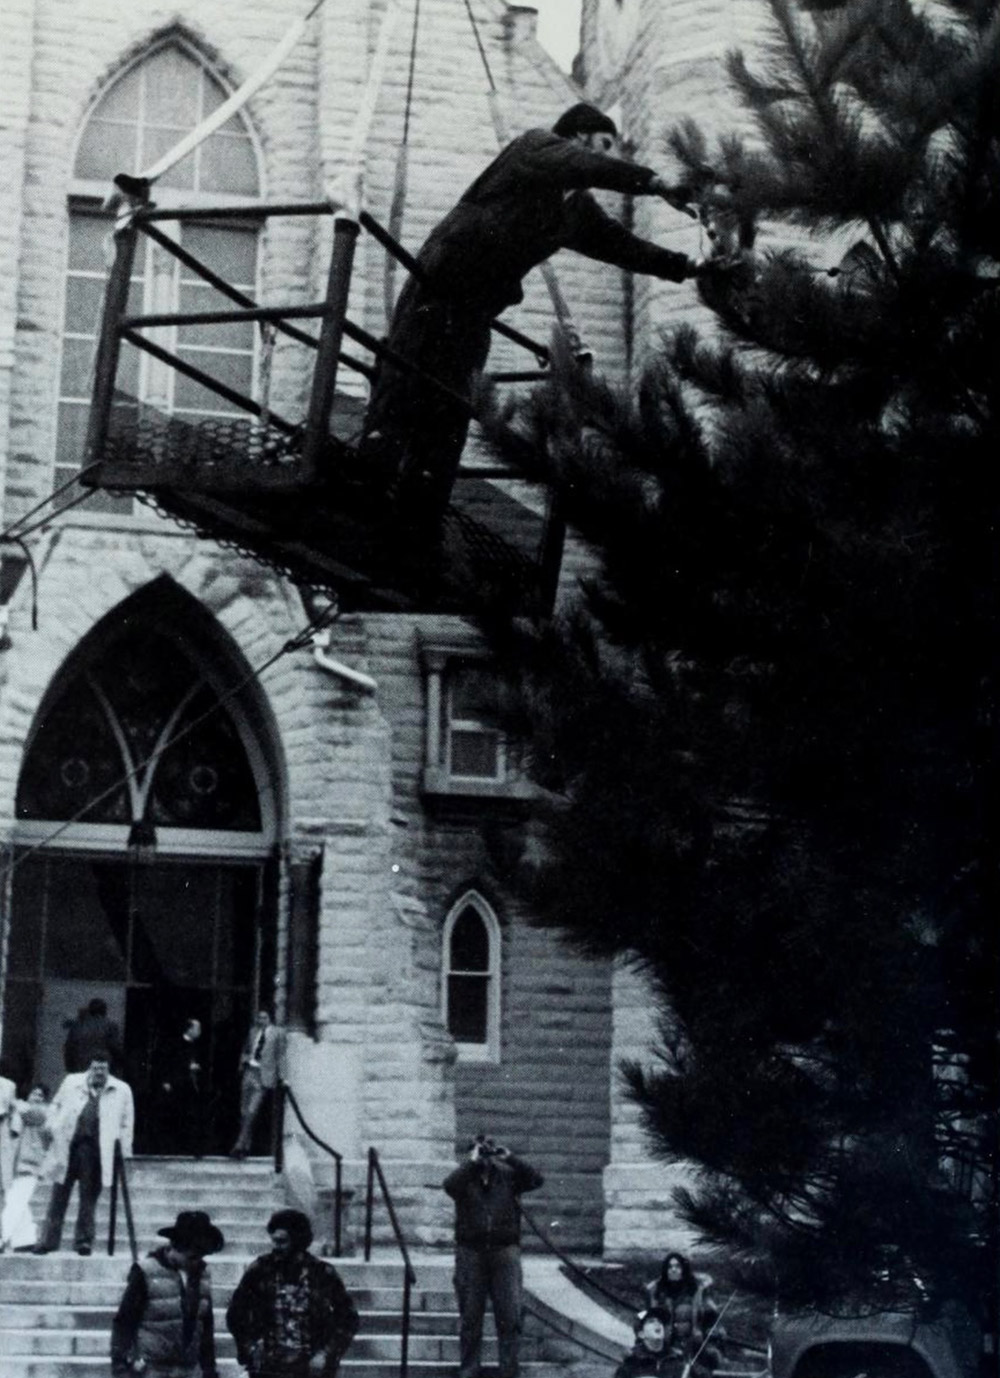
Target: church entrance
[[160, 943], [143, 874]]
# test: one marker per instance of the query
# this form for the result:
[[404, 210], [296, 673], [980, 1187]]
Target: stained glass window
[[139, 733]]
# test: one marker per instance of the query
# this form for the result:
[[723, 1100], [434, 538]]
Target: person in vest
[[91, 1111], [260, 1072], [163, 1327], [487, 1191], [533, 199], [291, 1315]]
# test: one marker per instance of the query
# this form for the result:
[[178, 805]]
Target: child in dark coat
[[652, 1355]]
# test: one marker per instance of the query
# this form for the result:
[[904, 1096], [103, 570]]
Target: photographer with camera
[[486, 1190]]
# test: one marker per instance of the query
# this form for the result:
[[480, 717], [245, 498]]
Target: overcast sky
[[559, 28]]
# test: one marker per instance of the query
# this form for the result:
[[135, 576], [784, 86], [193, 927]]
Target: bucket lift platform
[[294, 495]]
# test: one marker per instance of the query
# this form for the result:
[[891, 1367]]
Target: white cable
[[346, 192]]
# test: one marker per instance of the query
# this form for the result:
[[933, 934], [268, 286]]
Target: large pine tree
[[766, 726]]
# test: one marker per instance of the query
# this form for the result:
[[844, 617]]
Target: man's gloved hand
[[679, 197], [715, 266]]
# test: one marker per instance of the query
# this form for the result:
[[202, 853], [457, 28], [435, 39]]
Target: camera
[[485, 1146]]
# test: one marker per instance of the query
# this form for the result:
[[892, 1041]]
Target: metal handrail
[[375, 1174], [120, 1174], [584, 1276], [573, 1266], [287, 1095]]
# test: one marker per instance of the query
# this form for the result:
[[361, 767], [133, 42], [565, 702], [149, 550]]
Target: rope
[[573, 1266], [268, 336], [295, 643], [347, 192], [402, 173], [500, 128], [10, 530], [235, 103], [479, 45]]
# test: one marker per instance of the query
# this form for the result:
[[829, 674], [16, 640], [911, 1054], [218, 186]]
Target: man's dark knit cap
[[584, 119]]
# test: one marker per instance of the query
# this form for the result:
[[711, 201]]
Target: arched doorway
[[144, 872]]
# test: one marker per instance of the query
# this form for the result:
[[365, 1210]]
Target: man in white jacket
[[91, 1111]]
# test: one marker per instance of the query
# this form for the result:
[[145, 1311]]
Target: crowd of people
[[70, 1139], [290, 1315]]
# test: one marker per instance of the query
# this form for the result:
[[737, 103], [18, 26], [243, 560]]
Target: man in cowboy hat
[[533, 199], [163, 1326], [290, 1315]]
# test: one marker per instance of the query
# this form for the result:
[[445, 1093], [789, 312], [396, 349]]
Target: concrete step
[[93, 1366], [81, 1343], [226, 1266], [73, 1293], [59, 1318]]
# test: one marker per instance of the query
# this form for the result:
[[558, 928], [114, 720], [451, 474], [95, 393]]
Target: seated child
[[652, 1354]]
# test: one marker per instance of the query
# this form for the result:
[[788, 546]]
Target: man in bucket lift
[[532, 200]]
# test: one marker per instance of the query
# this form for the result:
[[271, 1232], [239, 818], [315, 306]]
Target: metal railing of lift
[[376, 1175], [119, 1181], [287, 1096], [120, 326]]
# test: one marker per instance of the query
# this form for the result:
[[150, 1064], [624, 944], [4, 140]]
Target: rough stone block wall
[[347, 768], [548, 1097]]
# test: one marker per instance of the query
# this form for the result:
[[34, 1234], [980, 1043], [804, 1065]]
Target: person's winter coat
[[331, 1316], [486, 1195], [161, 1323], [116, 1120], [641, 1362], [529, 202]]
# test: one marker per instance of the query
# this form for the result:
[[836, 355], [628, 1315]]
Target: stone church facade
[[314, 840]]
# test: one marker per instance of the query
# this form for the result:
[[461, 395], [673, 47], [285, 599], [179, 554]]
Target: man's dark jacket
[[529, 202], [486, 1194], [89, 1036], [333, 1317]]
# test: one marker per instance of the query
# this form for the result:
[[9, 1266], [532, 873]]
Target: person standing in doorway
[[181, 1091], [487, 1190], [92, 1031], [91, 1112], [260, 1072], [164, 1326]]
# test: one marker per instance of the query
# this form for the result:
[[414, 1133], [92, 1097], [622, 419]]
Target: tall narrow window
[[143, 114], [471, 979]]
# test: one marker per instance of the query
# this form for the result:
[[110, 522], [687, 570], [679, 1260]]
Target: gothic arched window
[[470, 992], [138, 735], [140, 116]]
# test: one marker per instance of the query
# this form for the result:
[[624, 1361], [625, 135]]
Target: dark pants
[[493, 1274], [85, 1168], [417, 432]]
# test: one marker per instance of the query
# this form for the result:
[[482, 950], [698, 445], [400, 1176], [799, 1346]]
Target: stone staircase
[[56, 1309]]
